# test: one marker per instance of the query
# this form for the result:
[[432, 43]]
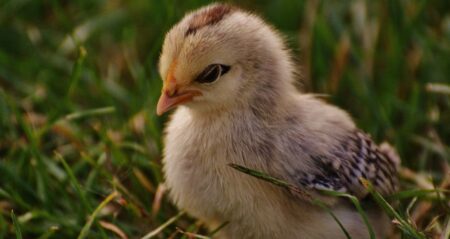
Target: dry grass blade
[[156, 206], [419, 179], [192, 235], [113, 228], [433, 226], [438, 88], [131, 198], [446, 232], [163, 226], [421, 210], [145, 182]]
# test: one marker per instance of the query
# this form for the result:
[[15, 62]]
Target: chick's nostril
[[169, 89], [171, 92]]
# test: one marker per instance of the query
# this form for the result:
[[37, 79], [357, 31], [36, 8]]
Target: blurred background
[[80, 143]]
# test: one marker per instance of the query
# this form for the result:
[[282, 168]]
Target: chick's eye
[[212, 73]]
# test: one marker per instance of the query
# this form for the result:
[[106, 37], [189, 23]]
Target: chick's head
[[214, 56]]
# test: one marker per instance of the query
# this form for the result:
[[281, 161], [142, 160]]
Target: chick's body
[[253, 116], [199, 149]]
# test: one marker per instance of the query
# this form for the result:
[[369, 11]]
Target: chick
[[232, 78]]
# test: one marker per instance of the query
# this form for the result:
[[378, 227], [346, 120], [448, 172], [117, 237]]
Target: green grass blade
[[77, 70], [75, 183], [49, 233], [358, 206], [220, 227], [16, 225], [403, 224], [260, 175], [163, 226], [300, 192], [281, 183], [327, 209], [85, 230], [88, 113], [418, 193]]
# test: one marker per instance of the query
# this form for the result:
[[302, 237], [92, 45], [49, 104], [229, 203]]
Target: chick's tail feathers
[[391, 154]]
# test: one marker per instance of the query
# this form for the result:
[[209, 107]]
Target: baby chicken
[[232, 78]]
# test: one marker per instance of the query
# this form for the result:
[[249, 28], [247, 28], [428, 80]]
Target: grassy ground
[[80, 142]]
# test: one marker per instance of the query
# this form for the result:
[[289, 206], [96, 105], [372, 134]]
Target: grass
[[79, 85]]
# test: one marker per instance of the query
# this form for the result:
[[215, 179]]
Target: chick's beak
[[172, 96]]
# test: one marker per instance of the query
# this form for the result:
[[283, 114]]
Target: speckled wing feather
[[357, 156]]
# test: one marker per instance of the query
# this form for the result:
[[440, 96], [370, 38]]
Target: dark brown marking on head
[[207, 17]]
